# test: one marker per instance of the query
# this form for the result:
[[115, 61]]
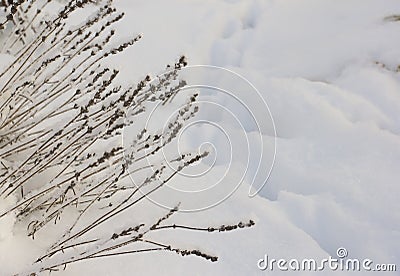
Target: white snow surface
[[335, 182]]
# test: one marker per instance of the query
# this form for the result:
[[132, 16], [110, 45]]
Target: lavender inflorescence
[[61, 119]]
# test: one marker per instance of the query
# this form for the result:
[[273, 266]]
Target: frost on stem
[[61, 117]]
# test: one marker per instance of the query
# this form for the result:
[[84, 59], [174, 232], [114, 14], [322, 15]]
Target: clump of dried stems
[[61, 118]]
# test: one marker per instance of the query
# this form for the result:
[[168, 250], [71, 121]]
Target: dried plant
[[61, 119], [394, 18]]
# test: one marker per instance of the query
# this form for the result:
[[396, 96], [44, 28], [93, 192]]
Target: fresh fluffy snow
[[327, 70]]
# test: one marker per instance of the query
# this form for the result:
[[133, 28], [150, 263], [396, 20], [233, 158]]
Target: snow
[[335, 180]]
